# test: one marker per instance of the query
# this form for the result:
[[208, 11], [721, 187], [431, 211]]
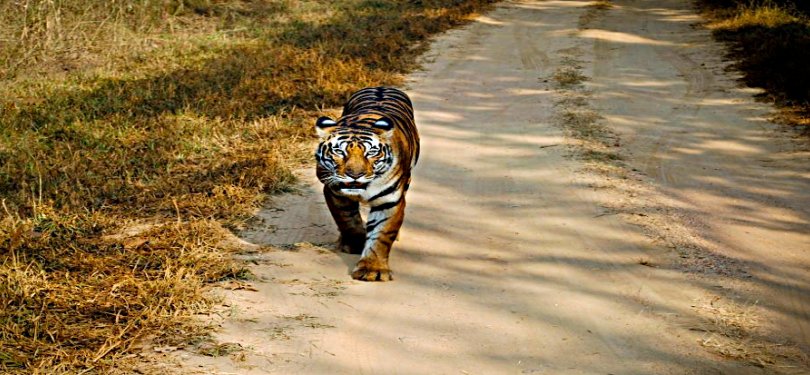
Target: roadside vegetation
[[135, 134], [770, 40]]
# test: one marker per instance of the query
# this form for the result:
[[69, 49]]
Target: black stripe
[[386, 206], [387, 191], [391, 232], [373, 224], [383, 99]]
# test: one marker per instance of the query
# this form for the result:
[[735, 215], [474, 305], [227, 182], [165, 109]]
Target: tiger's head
[[353, 152]]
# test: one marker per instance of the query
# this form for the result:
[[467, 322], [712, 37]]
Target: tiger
[[366, 156]]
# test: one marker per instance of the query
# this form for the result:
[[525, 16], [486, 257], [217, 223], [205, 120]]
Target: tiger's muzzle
[[353, 185]]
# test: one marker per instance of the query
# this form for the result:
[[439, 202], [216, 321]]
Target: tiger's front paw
[[368, 271]]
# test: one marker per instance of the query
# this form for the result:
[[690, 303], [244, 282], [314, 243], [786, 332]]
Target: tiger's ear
[[384, 123], [322, 124]]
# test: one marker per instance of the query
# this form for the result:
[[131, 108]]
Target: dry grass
[[597, 143], [65, 35], [594, 10], [73, 299], [732, 332], [766, 14], [770, 40], [175, 117], [568, 76], [600, 5]]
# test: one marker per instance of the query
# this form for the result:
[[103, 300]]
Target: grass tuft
[[568, 77], [732, 332]]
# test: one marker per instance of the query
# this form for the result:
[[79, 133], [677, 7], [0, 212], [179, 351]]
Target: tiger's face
[[350, 158]]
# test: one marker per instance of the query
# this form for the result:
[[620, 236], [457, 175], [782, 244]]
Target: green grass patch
[[175, 117]]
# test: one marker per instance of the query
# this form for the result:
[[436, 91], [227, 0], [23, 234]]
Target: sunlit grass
[[767, 14]]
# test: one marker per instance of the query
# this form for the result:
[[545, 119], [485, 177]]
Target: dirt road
[[518, 256]]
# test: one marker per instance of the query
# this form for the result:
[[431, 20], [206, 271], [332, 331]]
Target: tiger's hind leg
[[383, 226], [346, 213]]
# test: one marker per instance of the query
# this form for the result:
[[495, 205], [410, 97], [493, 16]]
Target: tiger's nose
[[355, 174]]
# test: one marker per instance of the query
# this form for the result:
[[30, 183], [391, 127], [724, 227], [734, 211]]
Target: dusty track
[[510, 261]]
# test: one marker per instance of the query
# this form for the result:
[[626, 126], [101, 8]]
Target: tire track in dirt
[[699, 139]]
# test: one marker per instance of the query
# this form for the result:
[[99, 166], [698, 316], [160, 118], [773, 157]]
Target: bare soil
[[669, 236]]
